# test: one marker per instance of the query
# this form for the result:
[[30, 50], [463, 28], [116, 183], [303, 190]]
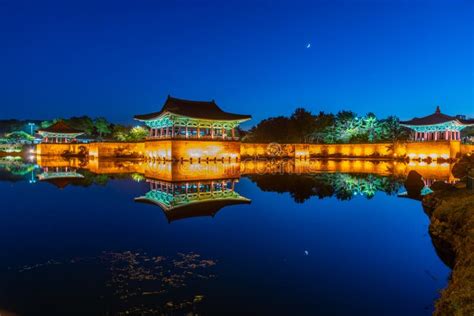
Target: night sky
[[117, 59]]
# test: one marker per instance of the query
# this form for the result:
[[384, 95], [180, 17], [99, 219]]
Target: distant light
[[308, 46]]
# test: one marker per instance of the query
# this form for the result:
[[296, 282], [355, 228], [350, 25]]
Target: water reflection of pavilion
[[60, 176], [186, 199]]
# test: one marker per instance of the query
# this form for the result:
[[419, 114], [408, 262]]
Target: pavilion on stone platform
[[186, 119], [59, 132], [437, 126]]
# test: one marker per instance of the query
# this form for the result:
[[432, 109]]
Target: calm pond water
[[108, 238]]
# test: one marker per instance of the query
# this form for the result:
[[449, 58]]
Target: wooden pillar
[[233, 133], [212, 132], [186, 135], [223, 135], [198, 132]]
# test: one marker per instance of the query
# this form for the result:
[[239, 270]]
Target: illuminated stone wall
[[209, 150], [315, 150], [116, 149], [46, 149], [192, 150], [413, 150], [433, 150], [103, 150], [160, 149]]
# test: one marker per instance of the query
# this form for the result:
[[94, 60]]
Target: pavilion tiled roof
[[194, 109], [60, 128], [436, 118]]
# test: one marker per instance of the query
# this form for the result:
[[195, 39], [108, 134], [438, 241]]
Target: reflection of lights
[[433, 156], [422, 156], [411, 155], [444, 156]]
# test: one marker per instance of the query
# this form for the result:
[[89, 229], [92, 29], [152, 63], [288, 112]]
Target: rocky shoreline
[[451, 212]]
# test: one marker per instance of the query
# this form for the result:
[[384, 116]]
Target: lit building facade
[[437, 126], [193, 131], [59, 132], [185, 119]]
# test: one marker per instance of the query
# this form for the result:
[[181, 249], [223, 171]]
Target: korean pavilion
[[185, 119], [59, 132], [437, 126]]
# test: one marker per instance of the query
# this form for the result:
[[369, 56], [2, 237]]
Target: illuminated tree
[[120, 132], [138, 133]]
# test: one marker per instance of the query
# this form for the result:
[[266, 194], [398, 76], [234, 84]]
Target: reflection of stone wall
[[186, 171]]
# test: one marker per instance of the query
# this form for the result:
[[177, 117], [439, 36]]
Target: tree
[[19, 136], [120, 132], [323, 122], [392, 130], [47, 123], [273, 129], [303, 124], [102, 126], [138, 133], [83, 123]]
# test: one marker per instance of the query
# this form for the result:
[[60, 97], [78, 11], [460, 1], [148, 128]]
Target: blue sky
[[117, 59]]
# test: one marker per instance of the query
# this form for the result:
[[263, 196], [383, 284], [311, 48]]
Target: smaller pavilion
[[186, 119], [437, 126], [59, 132]]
